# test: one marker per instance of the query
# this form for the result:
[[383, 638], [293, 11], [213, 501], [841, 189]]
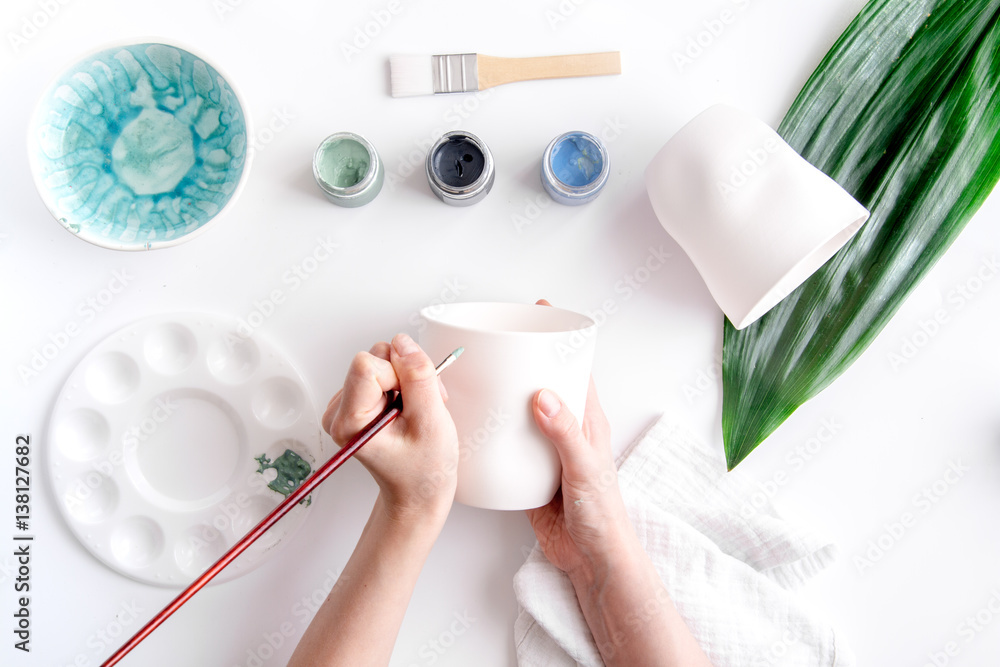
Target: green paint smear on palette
[[292, 470]]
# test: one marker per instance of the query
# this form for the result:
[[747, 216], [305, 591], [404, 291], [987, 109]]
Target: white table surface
[[898, 428]]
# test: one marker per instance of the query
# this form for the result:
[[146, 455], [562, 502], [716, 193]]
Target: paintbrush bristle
[[457, 353], [411, 75]]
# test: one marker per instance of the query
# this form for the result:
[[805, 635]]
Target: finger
[[595, 423], [380, 350], [418, 380], [542, 302], [558, 424], [363, 397], [331, 410]]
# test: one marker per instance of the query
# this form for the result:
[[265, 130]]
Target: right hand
[[415, 459], [585, 527]]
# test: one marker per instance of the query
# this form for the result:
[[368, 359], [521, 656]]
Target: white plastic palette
[[153, 441]]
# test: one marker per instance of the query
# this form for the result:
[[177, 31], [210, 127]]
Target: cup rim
[[433, 314]]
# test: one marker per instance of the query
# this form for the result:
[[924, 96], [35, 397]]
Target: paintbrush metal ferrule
[[455, 73]]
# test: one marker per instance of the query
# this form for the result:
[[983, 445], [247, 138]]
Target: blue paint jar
[[575, 167]]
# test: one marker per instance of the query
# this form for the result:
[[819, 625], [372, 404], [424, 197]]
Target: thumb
[[418, 382], [558, 424]]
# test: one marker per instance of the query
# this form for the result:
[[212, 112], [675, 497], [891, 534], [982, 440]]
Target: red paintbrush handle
[[390, 412]]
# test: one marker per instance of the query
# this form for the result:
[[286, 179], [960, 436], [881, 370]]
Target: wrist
[[618, 551], [413, 520]]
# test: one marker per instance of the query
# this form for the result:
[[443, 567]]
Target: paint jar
[[575, 167], [348, 169], [460, 168]]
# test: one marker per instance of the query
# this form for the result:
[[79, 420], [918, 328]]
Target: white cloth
[[728, 562]]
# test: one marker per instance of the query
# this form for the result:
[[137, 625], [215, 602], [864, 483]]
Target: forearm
[[630, 614], [359, 621]]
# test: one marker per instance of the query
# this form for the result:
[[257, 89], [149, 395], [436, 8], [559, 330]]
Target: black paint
[[458, 162]]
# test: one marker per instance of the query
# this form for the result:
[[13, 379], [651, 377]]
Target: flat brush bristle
[[411, 75]]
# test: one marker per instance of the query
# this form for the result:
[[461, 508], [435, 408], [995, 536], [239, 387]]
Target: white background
[[900, 427]]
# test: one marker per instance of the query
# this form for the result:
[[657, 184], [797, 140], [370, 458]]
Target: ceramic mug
[[755, 218], [511, 351]]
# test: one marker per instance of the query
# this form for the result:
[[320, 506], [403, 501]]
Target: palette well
[[173, 438]]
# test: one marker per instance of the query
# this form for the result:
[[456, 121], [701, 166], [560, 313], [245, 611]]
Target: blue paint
[[137, 146], [576, 160], [575, 168]]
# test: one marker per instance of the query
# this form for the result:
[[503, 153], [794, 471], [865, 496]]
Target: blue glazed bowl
[[139, 147]]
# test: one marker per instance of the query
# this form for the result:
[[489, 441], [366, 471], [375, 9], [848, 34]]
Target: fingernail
[[404, 344], [549, 403]]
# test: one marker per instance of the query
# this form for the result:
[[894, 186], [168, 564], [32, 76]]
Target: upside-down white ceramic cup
[[755, 218], [511, 351]]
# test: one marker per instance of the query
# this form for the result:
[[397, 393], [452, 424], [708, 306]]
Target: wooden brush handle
[[496, 71]]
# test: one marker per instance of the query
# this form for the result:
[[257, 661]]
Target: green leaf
[[904, 113]]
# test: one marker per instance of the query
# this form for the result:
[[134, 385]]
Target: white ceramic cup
[[511, 351], [755, 218]]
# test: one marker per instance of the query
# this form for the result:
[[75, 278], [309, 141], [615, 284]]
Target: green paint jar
[[348, 169]]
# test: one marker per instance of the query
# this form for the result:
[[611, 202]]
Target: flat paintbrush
[[392, 409], [467, 72]]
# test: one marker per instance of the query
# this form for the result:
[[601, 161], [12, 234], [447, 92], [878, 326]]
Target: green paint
[[153, 153], [292, 470], [343, 163]]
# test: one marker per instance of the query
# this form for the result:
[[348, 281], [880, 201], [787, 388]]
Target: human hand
[[414, 459], [585, 527]]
